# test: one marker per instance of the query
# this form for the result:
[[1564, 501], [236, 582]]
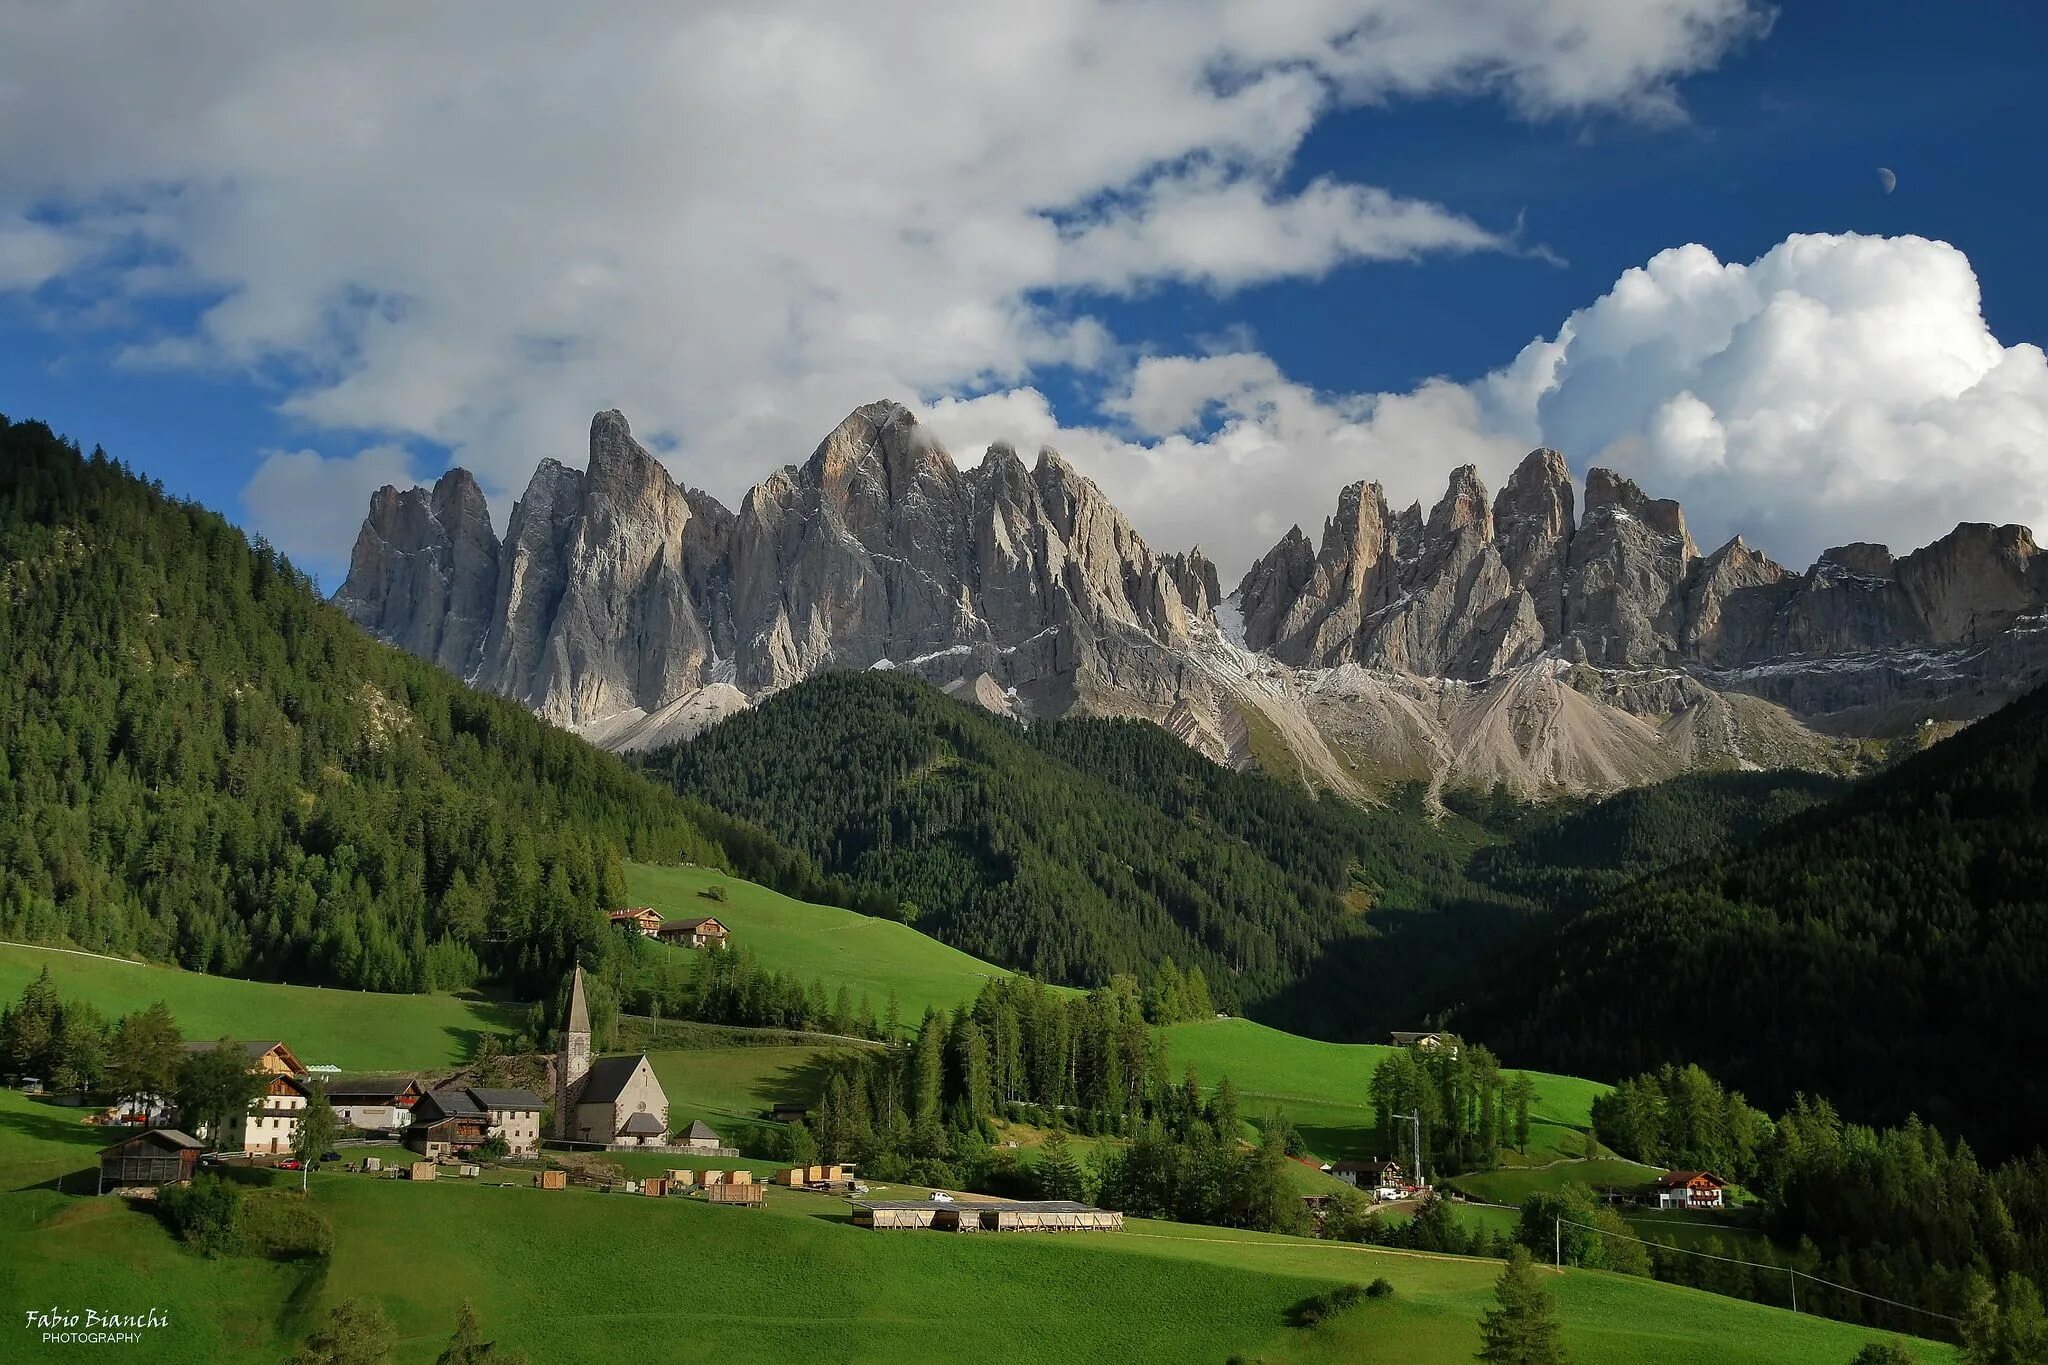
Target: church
[[615, 1101]]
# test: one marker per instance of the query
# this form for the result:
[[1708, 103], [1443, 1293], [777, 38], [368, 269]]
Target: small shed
[[551, 1180], [743, 1193], [885, 1214], [710, 1178], [741, 1177], [163, 1156], [655, 1186], [682, 1177], [420, 1170]]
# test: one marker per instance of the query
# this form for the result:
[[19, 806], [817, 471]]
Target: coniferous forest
[[201, 762], [1885, 950]]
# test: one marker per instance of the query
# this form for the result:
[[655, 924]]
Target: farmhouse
[[514, 1116], [643, 920], [1427, 1042], [1689, 1190], [447, 1123], [375, 1104], [1371, 1175], [163, 1156], [612, 1101], [696, 933], [273, 1123]]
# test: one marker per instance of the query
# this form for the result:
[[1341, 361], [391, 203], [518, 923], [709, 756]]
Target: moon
[[1887, 179]]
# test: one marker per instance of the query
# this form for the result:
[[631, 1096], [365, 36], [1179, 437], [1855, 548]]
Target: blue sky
[[1735, 141]]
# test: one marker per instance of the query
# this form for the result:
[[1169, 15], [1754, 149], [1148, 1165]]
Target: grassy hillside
[[796, 1282], [1321, 1087], [1901, 930], [356, 1030], [805, 940]]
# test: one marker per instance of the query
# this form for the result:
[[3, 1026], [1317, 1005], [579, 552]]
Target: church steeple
[[573, 1064]]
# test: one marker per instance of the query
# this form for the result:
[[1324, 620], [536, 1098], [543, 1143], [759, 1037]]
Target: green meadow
[[357, 1031], [575, 1276], [1321, 1087], [807, 941]]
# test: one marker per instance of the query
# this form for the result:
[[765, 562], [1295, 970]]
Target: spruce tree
[[1523, 1329]]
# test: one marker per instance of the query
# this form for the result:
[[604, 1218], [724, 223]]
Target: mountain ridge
[[1527, 638]]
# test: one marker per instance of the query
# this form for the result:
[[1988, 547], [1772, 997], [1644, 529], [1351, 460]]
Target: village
[[601, 1104], [615, 1104]]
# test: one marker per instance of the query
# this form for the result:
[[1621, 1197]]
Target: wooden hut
[[710, 1178], [551, 1180], [744, 1193], [741, 1177], [655, 1186], [420, 1170], [164, 1156], [1049, 1215]]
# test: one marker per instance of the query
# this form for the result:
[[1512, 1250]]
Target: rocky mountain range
[[1511, 638]]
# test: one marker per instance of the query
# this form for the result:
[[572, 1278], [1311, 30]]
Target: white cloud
[[311, 505], [1839, 388], [737, 220], [31, 253]]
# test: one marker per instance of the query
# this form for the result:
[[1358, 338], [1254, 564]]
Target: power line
[[1793, 1272]]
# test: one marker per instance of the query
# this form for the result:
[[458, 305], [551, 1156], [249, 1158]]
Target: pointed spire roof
[[579, 1008]]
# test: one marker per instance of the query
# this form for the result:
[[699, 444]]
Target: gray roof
[[251, 1049], [162, 1137], [638, 1124], [1012, 1205], [448, 1104], [607, 1078], [506, 1099], [369, 1087], [700, 1129]]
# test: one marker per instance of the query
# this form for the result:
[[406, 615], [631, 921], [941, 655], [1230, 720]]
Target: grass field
[[1511, 1185], [1321, 1087], [729, 1087], [355, 1030], [832, 945], [795, 1282]]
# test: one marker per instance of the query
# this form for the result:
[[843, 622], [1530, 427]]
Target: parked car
[[330, 1156], [290, 1163], [941, 1197]]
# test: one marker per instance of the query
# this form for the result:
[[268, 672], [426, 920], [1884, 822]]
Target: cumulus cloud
[[1838, 388], [735, 220], [302, 498]]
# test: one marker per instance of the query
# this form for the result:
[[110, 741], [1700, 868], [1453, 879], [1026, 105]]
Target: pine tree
[[1059, 1173], [356, 1333], [1523, 1329], [145, 1055]]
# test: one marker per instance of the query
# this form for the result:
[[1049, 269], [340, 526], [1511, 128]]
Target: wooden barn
[[886, 1214], [163, 1156], [1048, 1215]]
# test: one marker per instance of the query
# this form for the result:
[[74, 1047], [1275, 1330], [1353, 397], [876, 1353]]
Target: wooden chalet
[[375, 1104], [162, 1156], [447, 1123], [643, 920], [1689, 1190], [704, 932]]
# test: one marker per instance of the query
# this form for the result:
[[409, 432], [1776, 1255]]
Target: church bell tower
[[573, 1063]]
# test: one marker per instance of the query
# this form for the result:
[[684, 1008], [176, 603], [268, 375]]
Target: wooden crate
[[551, 1180], [654, 1186], [420, 1170]]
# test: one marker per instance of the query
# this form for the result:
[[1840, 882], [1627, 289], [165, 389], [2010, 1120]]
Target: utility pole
[[1557, 1252], [1415, 1121]]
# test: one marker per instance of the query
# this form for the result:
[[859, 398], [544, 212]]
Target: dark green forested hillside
[[1886, 950], [1074, 848], [201, 762]]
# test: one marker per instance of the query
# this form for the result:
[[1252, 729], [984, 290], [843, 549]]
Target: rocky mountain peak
[[1463, 507]]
